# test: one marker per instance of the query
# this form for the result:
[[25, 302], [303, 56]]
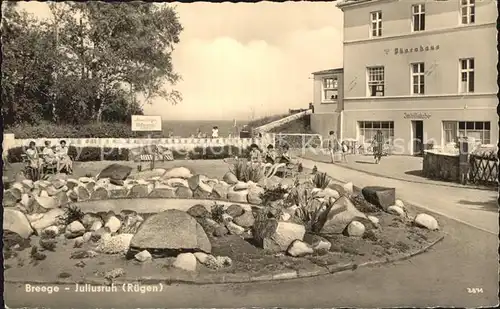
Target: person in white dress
[[215, 132]]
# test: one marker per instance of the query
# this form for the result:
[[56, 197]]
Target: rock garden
[[180, 225]]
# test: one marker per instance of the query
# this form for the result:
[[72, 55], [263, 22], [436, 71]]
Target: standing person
[[333, 144], [199, 134], [35, 161], [378, 145], [215, 132]]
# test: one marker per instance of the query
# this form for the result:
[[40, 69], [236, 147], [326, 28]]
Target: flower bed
[[176, 221]]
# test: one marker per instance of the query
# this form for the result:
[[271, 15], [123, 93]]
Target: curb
[[448, 185], [243, 277]]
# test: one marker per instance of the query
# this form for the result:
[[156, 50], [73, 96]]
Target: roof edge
[[328, 71]]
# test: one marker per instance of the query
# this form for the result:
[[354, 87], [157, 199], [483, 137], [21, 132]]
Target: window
[[368, 129], [330, 88], [418, 78], [467, 75], [376, 81], [477, 130], [468, 10], [418, 17], [376, 24]]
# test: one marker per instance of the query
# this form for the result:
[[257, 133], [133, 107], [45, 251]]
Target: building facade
[[420, 71], [327, 101]]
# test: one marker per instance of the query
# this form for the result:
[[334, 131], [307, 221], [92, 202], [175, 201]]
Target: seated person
[[271, 155], [49, 155], [286, 157], [65, 162], [255, 154]]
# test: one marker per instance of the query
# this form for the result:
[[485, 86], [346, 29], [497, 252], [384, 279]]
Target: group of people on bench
[[48, 157], [272, 159]]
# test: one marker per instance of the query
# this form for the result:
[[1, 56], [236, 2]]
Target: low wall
[[441, 166], [173, 143]]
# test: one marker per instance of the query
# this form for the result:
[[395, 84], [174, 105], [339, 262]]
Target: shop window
[[477, 130], [368, 129]]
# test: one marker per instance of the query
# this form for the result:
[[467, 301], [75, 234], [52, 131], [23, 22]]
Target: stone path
[[477, 208]]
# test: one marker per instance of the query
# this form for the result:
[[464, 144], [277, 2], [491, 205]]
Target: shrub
[[83, 154], [91, 130], [71, 213], [273, 194], [321, 180], [217, 212], [247, 172]]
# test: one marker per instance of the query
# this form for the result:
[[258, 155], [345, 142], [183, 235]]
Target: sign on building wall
[[415, 49], [417, 116], [146, 123]]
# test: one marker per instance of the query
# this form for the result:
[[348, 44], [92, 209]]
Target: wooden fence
[[483, 168]]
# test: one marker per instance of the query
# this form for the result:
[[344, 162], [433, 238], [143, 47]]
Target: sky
[[245, 60]]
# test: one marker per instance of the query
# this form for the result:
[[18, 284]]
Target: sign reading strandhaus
[[398, 51], [146, 123]]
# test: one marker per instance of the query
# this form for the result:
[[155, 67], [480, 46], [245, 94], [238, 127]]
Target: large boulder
[[426, 221], [276, 236], [199, 211], [254, 195], [141, 190], [100, 193], [115, 171], [238, 196], [196, 180], [183, 192], [115, 244], [230, 178], [382, 197], [51, 217], [82, 193], [163, 191], [185, 261], [338, 216], [171, 232], [116, 191], [220, 190], [43, 204], [11, 197], [178, 172], [72, 183], [299, 248], [15, 221], [245, 220]]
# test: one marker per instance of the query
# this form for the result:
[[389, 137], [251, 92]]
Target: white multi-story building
[[420, 71]]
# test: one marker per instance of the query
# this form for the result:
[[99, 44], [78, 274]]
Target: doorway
[[418, 137]]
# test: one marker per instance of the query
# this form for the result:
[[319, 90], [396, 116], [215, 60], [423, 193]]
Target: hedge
[[91, 130], [85, 154]]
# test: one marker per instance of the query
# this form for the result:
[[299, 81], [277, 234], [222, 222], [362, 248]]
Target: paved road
[[466, 258], [475, 207]]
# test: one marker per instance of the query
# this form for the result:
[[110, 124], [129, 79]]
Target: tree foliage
[[90, 61]]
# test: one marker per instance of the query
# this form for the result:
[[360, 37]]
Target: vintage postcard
[[305, 154]]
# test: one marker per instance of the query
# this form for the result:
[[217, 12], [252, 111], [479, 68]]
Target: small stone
[[87, 236], [96, 226], [234, 229], [399, 203], [75, 229], [224, 261], [79, 241], [220, 231], [235, 210], [185, 261], [299, 248], [374, 220], [114, 244], [81, 264], [245, 220], [396, 210], [115, 273], [113, 224], [426, 221], [199, 211], [50, 232], [143, 256], [356, 229], [201, 257]]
